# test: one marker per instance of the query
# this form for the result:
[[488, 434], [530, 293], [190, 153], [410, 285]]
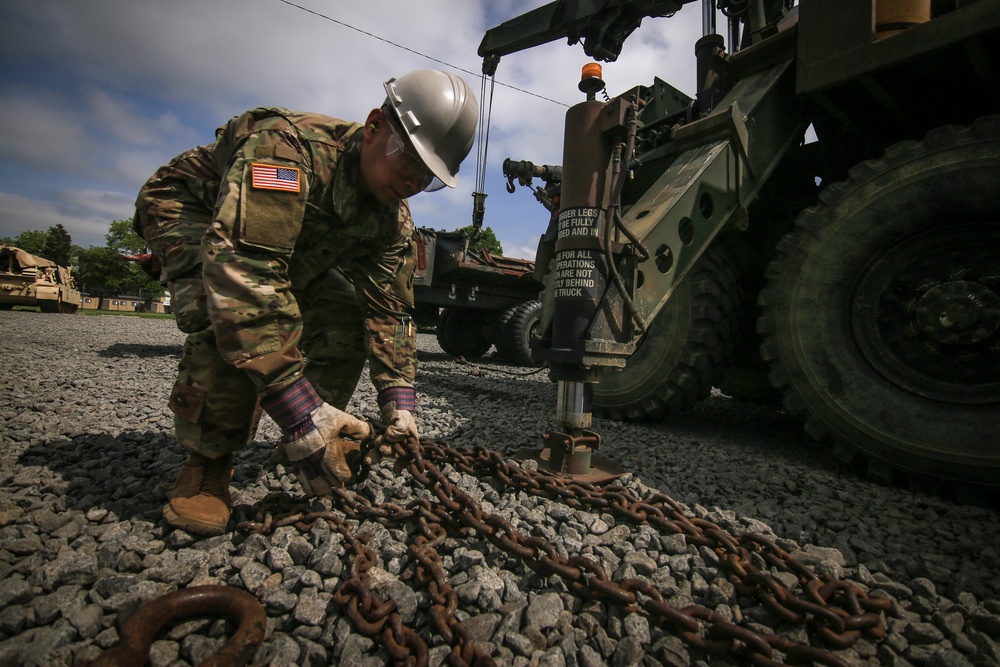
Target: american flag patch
[[271, 177]]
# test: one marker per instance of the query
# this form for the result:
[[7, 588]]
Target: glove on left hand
[[399, 424]]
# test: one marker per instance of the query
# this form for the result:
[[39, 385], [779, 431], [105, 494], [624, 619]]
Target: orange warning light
[[591, 70]]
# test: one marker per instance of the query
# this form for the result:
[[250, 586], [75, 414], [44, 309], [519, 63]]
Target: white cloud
[[121, 120], [85, 215], [47, 134], [103, 92], [83, 137], [97, 203]]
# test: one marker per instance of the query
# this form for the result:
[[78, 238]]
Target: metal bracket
[[573, 457]]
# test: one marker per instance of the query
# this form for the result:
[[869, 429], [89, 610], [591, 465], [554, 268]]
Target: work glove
[[399, 424], [319, 457], [397, 414], [313, 443]]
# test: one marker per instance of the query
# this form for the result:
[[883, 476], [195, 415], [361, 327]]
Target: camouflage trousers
[[216, 406]]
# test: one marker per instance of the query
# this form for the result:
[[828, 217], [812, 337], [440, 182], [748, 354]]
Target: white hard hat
[[438, 113]]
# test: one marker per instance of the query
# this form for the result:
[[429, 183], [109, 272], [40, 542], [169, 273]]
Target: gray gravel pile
[[88, 455]]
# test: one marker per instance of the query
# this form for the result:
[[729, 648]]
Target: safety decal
[[272, 177]]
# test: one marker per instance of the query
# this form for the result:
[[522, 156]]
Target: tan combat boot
[[200, 502]]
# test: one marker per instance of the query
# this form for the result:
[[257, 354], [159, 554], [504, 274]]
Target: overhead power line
[[415, 52]]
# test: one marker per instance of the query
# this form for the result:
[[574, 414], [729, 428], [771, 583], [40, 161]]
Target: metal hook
[[138, 633]]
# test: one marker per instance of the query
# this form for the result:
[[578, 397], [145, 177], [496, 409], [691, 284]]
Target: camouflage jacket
[[289, 207]]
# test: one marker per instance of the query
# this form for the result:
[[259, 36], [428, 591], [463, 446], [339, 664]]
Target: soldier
[[287, 249]]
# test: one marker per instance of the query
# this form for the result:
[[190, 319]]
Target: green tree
[[54, 244], [30, 240], [103, 272], [106, 271], [121, 238], [484, 239], [58, 246]]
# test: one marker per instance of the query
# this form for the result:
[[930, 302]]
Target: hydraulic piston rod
[[580, 280]]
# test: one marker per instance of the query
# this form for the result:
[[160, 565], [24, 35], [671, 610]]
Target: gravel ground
[[88, 455]]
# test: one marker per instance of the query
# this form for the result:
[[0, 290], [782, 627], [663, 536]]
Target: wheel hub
[[958, 313], [926, 314]]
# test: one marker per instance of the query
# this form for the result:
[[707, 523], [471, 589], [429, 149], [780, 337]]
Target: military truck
[[820, 218], [28, 280], [476, 300]]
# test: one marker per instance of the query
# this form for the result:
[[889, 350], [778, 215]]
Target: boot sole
[[192, 525]]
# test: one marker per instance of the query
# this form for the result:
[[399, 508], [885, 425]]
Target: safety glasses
[[407, 162]]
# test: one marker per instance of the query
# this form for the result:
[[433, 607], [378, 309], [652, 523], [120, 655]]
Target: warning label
[[578, 222], [576, 275]]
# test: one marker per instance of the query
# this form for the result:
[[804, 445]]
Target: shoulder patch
[[274, 177]]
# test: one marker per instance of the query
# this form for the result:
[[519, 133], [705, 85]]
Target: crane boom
[[602, 26]]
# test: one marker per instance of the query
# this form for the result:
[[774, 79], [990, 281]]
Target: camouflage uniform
[[271, 250]]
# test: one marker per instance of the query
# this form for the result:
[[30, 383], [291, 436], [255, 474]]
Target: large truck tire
[[683, 353], [518, 325], [881, 314], [461, 332]]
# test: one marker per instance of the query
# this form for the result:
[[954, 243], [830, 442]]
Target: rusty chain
[[837, 611], [837, 608], [370, 614]]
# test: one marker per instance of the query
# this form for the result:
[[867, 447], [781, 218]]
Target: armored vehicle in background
[[28, 280]]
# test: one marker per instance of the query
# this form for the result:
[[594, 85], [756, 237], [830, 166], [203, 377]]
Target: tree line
[[104, 271], [101, 271]]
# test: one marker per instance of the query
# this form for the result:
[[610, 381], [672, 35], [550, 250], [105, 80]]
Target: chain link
[[839, 612]]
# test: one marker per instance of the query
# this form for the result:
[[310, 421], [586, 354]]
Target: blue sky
[[96, 94]]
